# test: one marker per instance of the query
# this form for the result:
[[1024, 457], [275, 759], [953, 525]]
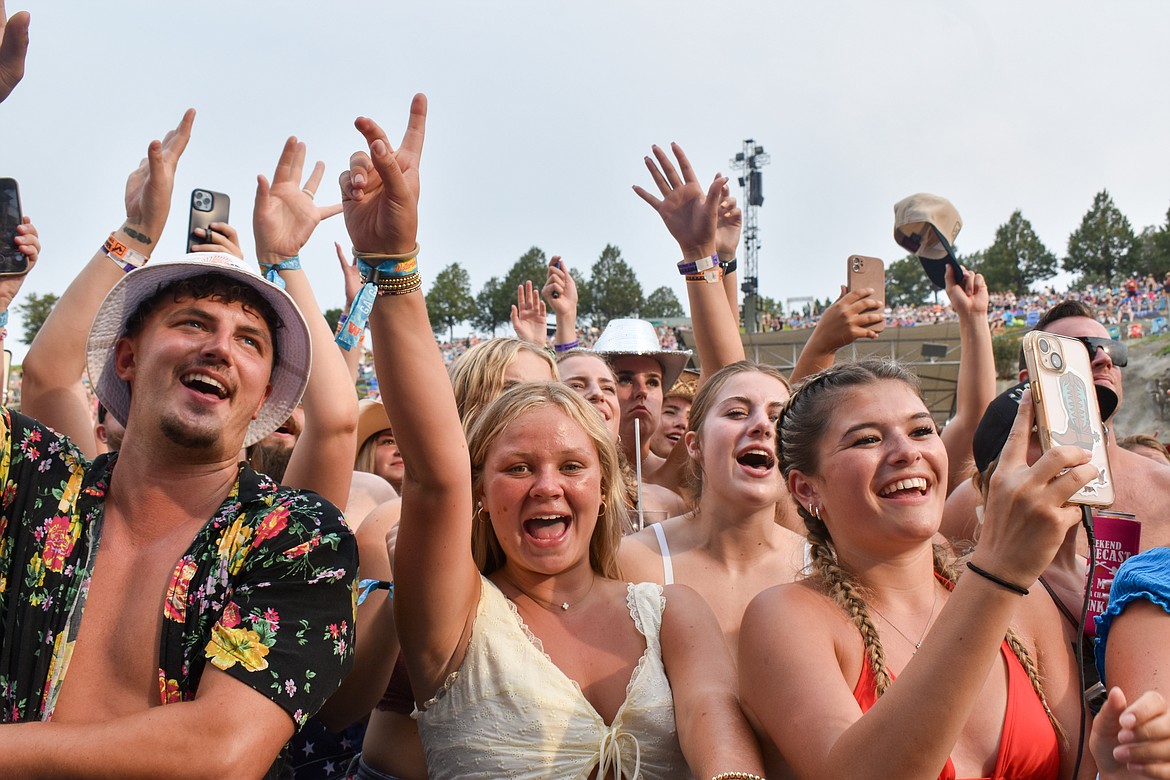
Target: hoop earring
[[481, 515], [815, 510]]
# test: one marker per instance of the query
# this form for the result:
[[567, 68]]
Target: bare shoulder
[[657, 497], [776, 606], [366, 493], [640, 557]]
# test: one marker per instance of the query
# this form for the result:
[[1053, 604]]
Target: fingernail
[[358, 179], [378, 147]]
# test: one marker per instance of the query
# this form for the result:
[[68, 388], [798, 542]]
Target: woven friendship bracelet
[[391, 275]]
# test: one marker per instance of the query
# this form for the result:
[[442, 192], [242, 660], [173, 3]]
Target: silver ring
[[308, 192]]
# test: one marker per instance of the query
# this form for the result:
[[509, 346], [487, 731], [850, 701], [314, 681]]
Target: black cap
[[997, 422]]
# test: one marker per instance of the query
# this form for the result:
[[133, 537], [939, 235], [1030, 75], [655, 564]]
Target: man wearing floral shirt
[[166, 611]]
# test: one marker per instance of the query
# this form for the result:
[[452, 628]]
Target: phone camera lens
[[1044, 346], [1057, 362]]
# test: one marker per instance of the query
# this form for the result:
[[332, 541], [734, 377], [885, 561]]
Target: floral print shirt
[[265, 591]]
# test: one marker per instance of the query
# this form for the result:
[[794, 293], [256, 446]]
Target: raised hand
[[351, 274], [285, 215], [560, 289], [13, 47], [1132, 740], [28, 241], [379, 192], [223, 238], [149, 188], [854, 315], [1027, 513], [690, 214], [970, 298], [728, 226], [529, 316]]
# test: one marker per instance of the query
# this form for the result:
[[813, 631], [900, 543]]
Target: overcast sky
[[541, 112]]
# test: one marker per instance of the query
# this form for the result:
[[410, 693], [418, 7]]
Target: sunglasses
[[1116, 350]]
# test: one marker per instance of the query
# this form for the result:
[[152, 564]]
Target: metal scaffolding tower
[[749, 161]]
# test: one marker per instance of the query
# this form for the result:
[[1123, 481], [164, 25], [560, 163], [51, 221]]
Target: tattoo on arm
[[134, 234]]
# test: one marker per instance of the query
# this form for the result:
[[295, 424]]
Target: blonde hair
[[477, 376], [705, 400], [490, 424], [800, 430], [367, 453]]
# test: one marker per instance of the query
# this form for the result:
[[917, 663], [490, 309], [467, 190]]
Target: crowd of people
[[538, 557]]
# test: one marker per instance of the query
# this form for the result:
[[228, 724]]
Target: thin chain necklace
[[564, 605], [925, 628]]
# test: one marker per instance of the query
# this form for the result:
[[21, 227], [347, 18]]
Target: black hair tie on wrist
[[997, 580]]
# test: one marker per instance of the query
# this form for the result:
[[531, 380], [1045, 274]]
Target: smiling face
[[671, 426], [387, 459], [593, 380], [542, 491], [733, 438], [199, 371], [881, 468]]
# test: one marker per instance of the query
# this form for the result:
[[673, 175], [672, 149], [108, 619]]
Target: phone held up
[[1061, 377], [13, 262], [206, 207], [863, 272]]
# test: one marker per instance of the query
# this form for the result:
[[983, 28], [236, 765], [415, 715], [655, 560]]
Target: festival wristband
[[729, 266], [710, 276], [126, 258], [394, 275], [691, 267], [4, 318], [272, 272], [567, 347], [366, 587]]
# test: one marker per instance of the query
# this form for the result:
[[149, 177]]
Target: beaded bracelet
[[567, 347], [736, 776], [123, 256], [392, 275], [997, 580]]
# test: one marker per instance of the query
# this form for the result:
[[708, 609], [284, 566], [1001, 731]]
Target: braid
[[1025, 658], [944, 564], [846, 593]]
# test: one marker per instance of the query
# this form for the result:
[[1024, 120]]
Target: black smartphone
[[206, 207], [13, 262]]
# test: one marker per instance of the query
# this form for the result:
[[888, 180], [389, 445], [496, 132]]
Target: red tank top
[[1028, 748]]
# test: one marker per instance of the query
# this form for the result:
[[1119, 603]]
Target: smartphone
[[4, 378], [870, 272], [206, 207], [1061, 377], [13, 262]]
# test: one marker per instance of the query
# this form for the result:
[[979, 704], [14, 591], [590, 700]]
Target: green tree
[[449, 301], [1017, 257], [907, 284], [532, 266], [332, 316], [1101, 249], [1152, 254], [34, 310], [496, 299], [490, 301], [661, 304], [614, 289], [764, 304]]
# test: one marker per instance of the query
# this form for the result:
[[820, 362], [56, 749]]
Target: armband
[[123, 256], [692, 267]]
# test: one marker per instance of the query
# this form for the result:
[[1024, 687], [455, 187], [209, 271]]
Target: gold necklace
[[926, 628], [564, 605]]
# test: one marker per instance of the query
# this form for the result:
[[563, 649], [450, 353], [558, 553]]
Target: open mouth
[[201, 383], [914, 486], [547, 528], [761, 460]]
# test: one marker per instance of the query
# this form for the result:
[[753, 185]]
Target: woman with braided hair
[[884, 662]]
